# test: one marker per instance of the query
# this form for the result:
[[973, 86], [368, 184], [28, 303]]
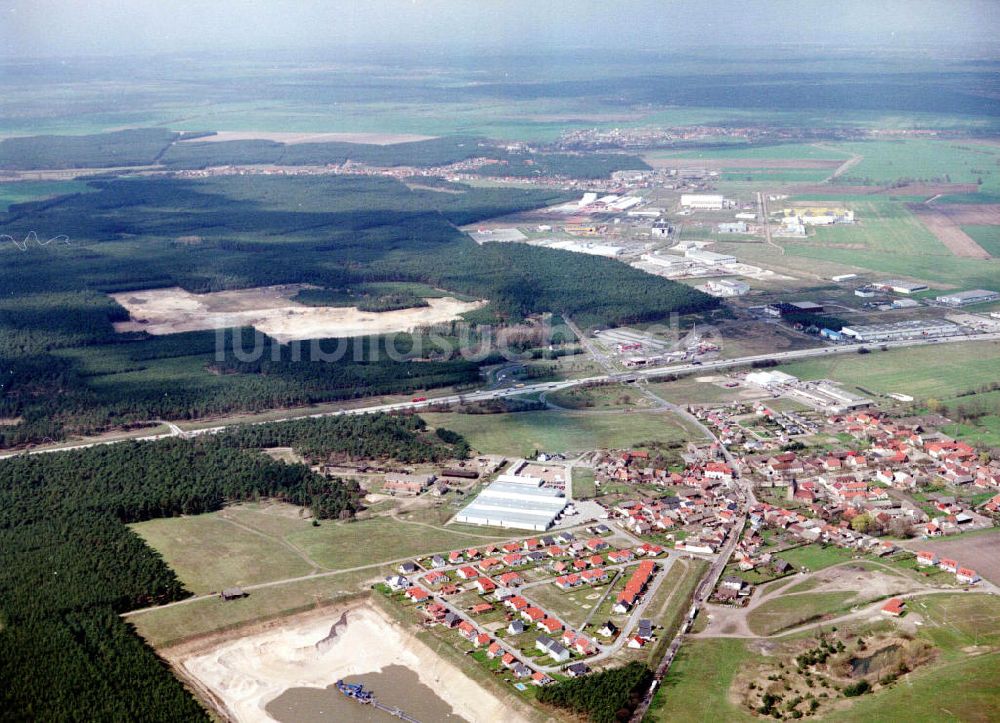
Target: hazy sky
[[107, 27]]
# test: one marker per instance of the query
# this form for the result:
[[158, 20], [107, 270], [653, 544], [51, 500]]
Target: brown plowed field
[[971, 214], [948, 232], [978, 551]]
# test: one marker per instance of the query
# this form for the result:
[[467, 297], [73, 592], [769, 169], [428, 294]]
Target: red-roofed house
[[894, 606], [485, 586], [965, 576], [467, 573]]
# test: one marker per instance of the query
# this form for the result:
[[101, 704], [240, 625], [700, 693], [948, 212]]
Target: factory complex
[[519, 502]]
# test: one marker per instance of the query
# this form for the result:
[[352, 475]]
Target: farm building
[[899, 286], [522, 505]]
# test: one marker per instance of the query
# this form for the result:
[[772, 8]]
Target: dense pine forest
[[69, 565], [67, 371], [152, 146]]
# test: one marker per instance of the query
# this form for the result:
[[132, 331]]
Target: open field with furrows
[[786, 155], [255, 543], [522, 433], [923, 160], [922, 372], [211, 552], [962, 628], [171, 624]]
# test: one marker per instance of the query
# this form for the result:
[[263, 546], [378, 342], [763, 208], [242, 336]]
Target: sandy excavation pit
[[243, 674], [271, 310]]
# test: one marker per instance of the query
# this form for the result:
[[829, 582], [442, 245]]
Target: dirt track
[[949, 232]]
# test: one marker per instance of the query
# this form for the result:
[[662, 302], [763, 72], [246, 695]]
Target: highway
[[487, 394]]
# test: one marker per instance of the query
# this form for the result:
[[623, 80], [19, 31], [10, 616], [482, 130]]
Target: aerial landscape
[[437, 360]]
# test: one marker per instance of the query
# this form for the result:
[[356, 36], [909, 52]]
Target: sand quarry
[[244, 674], [271, 310]]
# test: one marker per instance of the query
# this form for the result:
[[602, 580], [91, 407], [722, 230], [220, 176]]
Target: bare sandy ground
[[376, 139], [270, 310], [244, 674]]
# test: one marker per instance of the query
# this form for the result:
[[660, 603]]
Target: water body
[[395, 686]]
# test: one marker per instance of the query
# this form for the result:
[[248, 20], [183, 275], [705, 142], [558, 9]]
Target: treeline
[[433, 152], [368, 436], [69, 565], [134, 147], [606, 697]]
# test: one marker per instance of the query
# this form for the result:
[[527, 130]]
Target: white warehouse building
[[704, 201], [515, 502], [709, 258]]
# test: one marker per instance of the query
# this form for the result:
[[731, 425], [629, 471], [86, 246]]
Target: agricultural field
[[986, 236], [886, 162], [524, 433], [921, 372]]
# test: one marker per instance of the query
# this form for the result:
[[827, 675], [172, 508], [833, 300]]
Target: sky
[[39, 28]]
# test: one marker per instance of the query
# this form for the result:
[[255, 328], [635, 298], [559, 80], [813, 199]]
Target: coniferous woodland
[[69, 565], [603, 696], [64, 370]]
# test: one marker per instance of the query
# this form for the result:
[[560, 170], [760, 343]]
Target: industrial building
[[899, 286], [967, 298], [900, 330], [735, 227], [709, 258], [703, 202], [769, 379], [661, 229], [515, 501], [725, 287], [819, 215]]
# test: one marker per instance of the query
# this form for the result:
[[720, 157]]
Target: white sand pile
[[247, 673]]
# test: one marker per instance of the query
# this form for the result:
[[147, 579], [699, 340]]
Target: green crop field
[[786, 151], [986, 236], [522, 433], [943, 161], [937, 371]]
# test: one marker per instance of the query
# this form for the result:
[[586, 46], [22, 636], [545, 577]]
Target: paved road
[[647, 373]]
